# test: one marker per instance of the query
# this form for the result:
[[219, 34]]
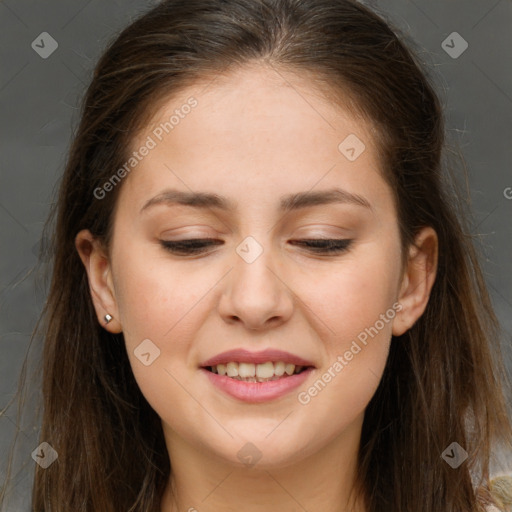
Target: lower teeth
[[258, 379]]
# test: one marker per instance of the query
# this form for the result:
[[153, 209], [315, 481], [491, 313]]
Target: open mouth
[[250, 372]]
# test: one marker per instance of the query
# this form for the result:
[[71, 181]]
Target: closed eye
[[192, 246], [201, 245], [325, 245]]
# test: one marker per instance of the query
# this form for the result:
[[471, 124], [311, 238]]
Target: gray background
[[38, 112]]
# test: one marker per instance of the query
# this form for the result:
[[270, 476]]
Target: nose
[[256, 293]]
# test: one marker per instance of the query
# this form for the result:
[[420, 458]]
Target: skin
[[254, 136]]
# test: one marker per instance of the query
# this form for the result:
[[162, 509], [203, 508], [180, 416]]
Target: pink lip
[[257, 392], [241, 355]]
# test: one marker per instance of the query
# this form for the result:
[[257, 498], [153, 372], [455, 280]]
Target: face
[[268, 280]]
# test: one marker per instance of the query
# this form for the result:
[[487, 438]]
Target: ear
[[417, 280], [99, 272]]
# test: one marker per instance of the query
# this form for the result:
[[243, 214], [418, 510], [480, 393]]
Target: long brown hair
[[444, 378]]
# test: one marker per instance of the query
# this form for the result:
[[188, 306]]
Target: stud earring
[[108, 318]]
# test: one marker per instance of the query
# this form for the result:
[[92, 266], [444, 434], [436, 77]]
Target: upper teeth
[[263, 370]]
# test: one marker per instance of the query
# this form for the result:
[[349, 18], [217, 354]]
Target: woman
[[263, 297]]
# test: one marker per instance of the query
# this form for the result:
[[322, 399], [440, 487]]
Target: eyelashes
[[325, 245], [193, 246]]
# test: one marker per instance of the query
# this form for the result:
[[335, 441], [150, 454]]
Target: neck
[[324, 480]]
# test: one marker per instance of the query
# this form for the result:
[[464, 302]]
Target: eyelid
[[322, 230], [192, 241], [317, 246], [192, 231]]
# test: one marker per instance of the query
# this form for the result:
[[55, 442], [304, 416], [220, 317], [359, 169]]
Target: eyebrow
[[287, 203]]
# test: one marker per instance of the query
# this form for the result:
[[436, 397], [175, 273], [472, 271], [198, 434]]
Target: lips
[[245, 356], [256, 385], [257, 392]]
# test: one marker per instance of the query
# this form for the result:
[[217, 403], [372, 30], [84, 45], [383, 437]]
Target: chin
[[260, 453]]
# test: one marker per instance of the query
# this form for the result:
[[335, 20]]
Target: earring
[[108, 318]]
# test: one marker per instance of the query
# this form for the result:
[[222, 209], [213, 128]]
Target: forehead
[[253, 130]]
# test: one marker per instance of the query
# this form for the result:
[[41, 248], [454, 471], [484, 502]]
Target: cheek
[[159, 302], [356, 304], [352, 297], [156, 297]]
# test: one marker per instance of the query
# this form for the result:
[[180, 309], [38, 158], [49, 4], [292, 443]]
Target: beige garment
[[501, 490]]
